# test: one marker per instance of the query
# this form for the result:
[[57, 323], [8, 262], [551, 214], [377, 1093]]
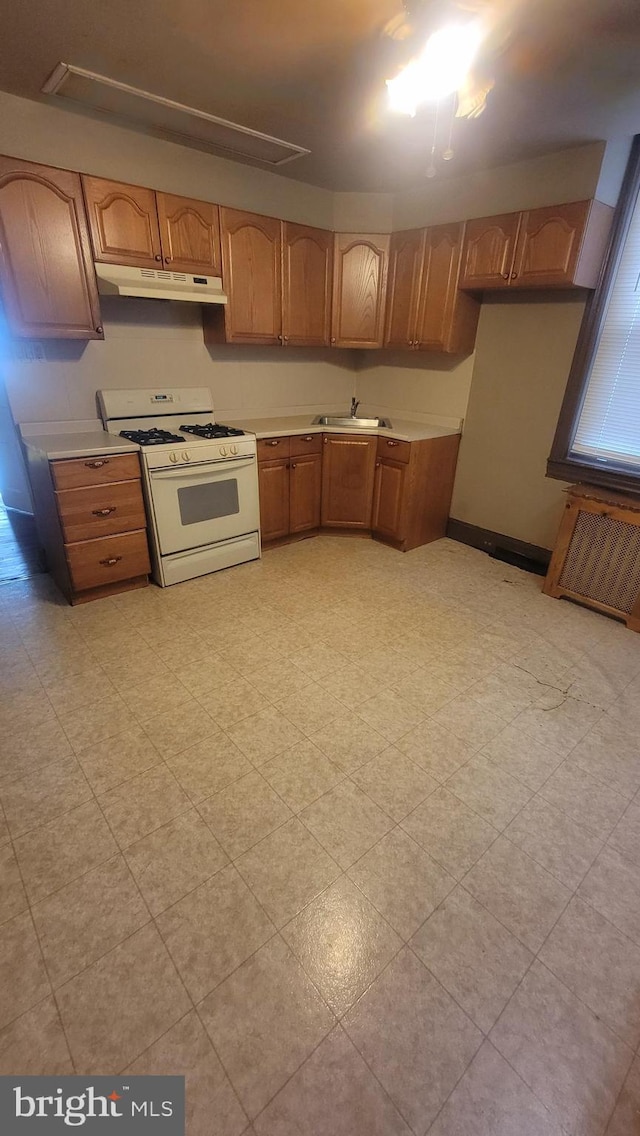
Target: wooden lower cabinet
[[389, 499], [348, 464], [273, 483], [289, 485], [305, 482], [412, 491]]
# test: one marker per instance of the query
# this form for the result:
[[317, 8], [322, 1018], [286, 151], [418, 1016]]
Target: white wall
[[406, 383]]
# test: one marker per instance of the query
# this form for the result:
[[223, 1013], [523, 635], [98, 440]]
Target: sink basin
[[351, 422]]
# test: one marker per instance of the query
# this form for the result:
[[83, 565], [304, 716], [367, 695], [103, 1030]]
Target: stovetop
[[213, 430], [155, 436], [151, 437]]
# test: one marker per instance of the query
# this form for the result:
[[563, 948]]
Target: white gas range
[[200, 479]]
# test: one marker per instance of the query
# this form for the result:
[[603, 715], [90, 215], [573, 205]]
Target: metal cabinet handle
[[99, 329], [390, 443], [110, 560], [97, 464], [505, 275], [285, 338], [325, 439], [308, 438], [157, 256], [168, 259], [377, 464], [293, 465], [513, 275], [333, 338], [274, 442], [104, 512]]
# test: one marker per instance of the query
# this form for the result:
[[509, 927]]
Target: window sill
[[582, 473]]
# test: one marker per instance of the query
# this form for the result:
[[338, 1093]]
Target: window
[[598, 436]]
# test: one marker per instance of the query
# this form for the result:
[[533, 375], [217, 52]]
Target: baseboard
[[530, 557]]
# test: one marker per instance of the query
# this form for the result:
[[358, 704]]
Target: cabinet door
[[307, 264], [304, 490], [403, 287], [124, 223], [359, 290], [487, 260], [347, 480], [448, 318], [189, 234], [46, 268], [388, 499], [549, 245], [251, 274], [273, 480]]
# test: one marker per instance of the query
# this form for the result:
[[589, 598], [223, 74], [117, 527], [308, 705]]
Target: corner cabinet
[[348, 463], [46, 269], [412, 490], [359, 289]]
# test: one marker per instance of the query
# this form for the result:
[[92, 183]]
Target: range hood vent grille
[[164, 117], [157, 284]]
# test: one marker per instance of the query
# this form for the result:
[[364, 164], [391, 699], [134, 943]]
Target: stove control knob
[[185, 456], [223, 451], [173, 458], [234, 450]]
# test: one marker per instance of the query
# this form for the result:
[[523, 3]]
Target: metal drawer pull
[[104, 512], [390, 443], [308, 438], [110, 560], [97, 464], [274, 442]]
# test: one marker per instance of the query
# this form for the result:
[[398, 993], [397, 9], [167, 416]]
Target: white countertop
[[303, 424], [78, 444]]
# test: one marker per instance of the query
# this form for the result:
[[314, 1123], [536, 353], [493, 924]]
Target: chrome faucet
[[354, 407]]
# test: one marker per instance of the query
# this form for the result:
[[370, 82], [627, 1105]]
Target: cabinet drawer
[[305, 444], [101, 510], [76, 472], [270, 448], [111, 558], [393, 448]]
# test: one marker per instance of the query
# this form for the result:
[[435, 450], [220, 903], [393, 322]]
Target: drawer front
[[393, 448], [104, 561], [101, 511], [77, 472], [270, 448], [302, 444]]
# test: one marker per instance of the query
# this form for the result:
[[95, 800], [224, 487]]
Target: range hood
[[158, 284]]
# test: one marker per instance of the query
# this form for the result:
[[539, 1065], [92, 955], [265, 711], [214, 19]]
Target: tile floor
[[349, 838]]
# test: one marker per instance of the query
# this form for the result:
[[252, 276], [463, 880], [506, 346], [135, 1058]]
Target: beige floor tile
[[333, 1092], [450, 832], [163, 692], [175, 730], [625, 837], [417, 1067], [521, 895], [346, 822], [564, 848], [96, 722], [349, 742], [287, 870], [469, 721], [435, 749], [387, 664], [612, 886], [586, 800], [32, 745], [231, 703], [390, 714], [489, 791], [506, 691], [394, 782], [351, 684], [264, 735], [4, 829], [174, 859], [110, 762], [558, 721], [244, 813], [84, 920], [627, 1110], [61, 851], [318, 661], [209, 766], [301, 774], [492, 1100], [212, 1107], [401, 881], [126, 670], [264, 1020], [23, 978], [13, 898], [523, 757], [572, 1061], [600, 965], [278, 679], [138, 806], [213, 929], [74, 692], [342, 942], [207, 673], [311, 709], [610, 754], [43, 795], [121, 1004], [34, 1044], [426, 691], [475, 958]]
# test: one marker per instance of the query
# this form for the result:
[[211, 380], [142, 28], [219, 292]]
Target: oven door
[[204, 503]]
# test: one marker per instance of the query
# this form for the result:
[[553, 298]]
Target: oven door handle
[[202, 469]]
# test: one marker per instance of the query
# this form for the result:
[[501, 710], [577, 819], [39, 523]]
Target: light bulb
[[404, 90], [439, 70]]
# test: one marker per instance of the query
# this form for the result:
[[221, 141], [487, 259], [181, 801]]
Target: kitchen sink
[[353, 422]]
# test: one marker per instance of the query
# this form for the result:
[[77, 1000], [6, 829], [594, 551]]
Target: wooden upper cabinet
[[489, 251], [359, 289], [562, 245], [123, 221], [251, 252], [406, 254], [447, 318], [46, 268], [189, 234], [307, 270]]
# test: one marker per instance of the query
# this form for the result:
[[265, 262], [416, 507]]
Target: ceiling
[[312, 72]]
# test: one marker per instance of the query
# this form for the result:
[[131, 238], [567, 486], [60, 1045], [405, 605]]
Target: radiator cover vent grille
[[603, 561]]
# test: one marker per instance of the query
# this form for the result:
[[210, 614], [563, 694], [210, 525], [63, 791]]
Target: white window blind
[[609, 424]]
